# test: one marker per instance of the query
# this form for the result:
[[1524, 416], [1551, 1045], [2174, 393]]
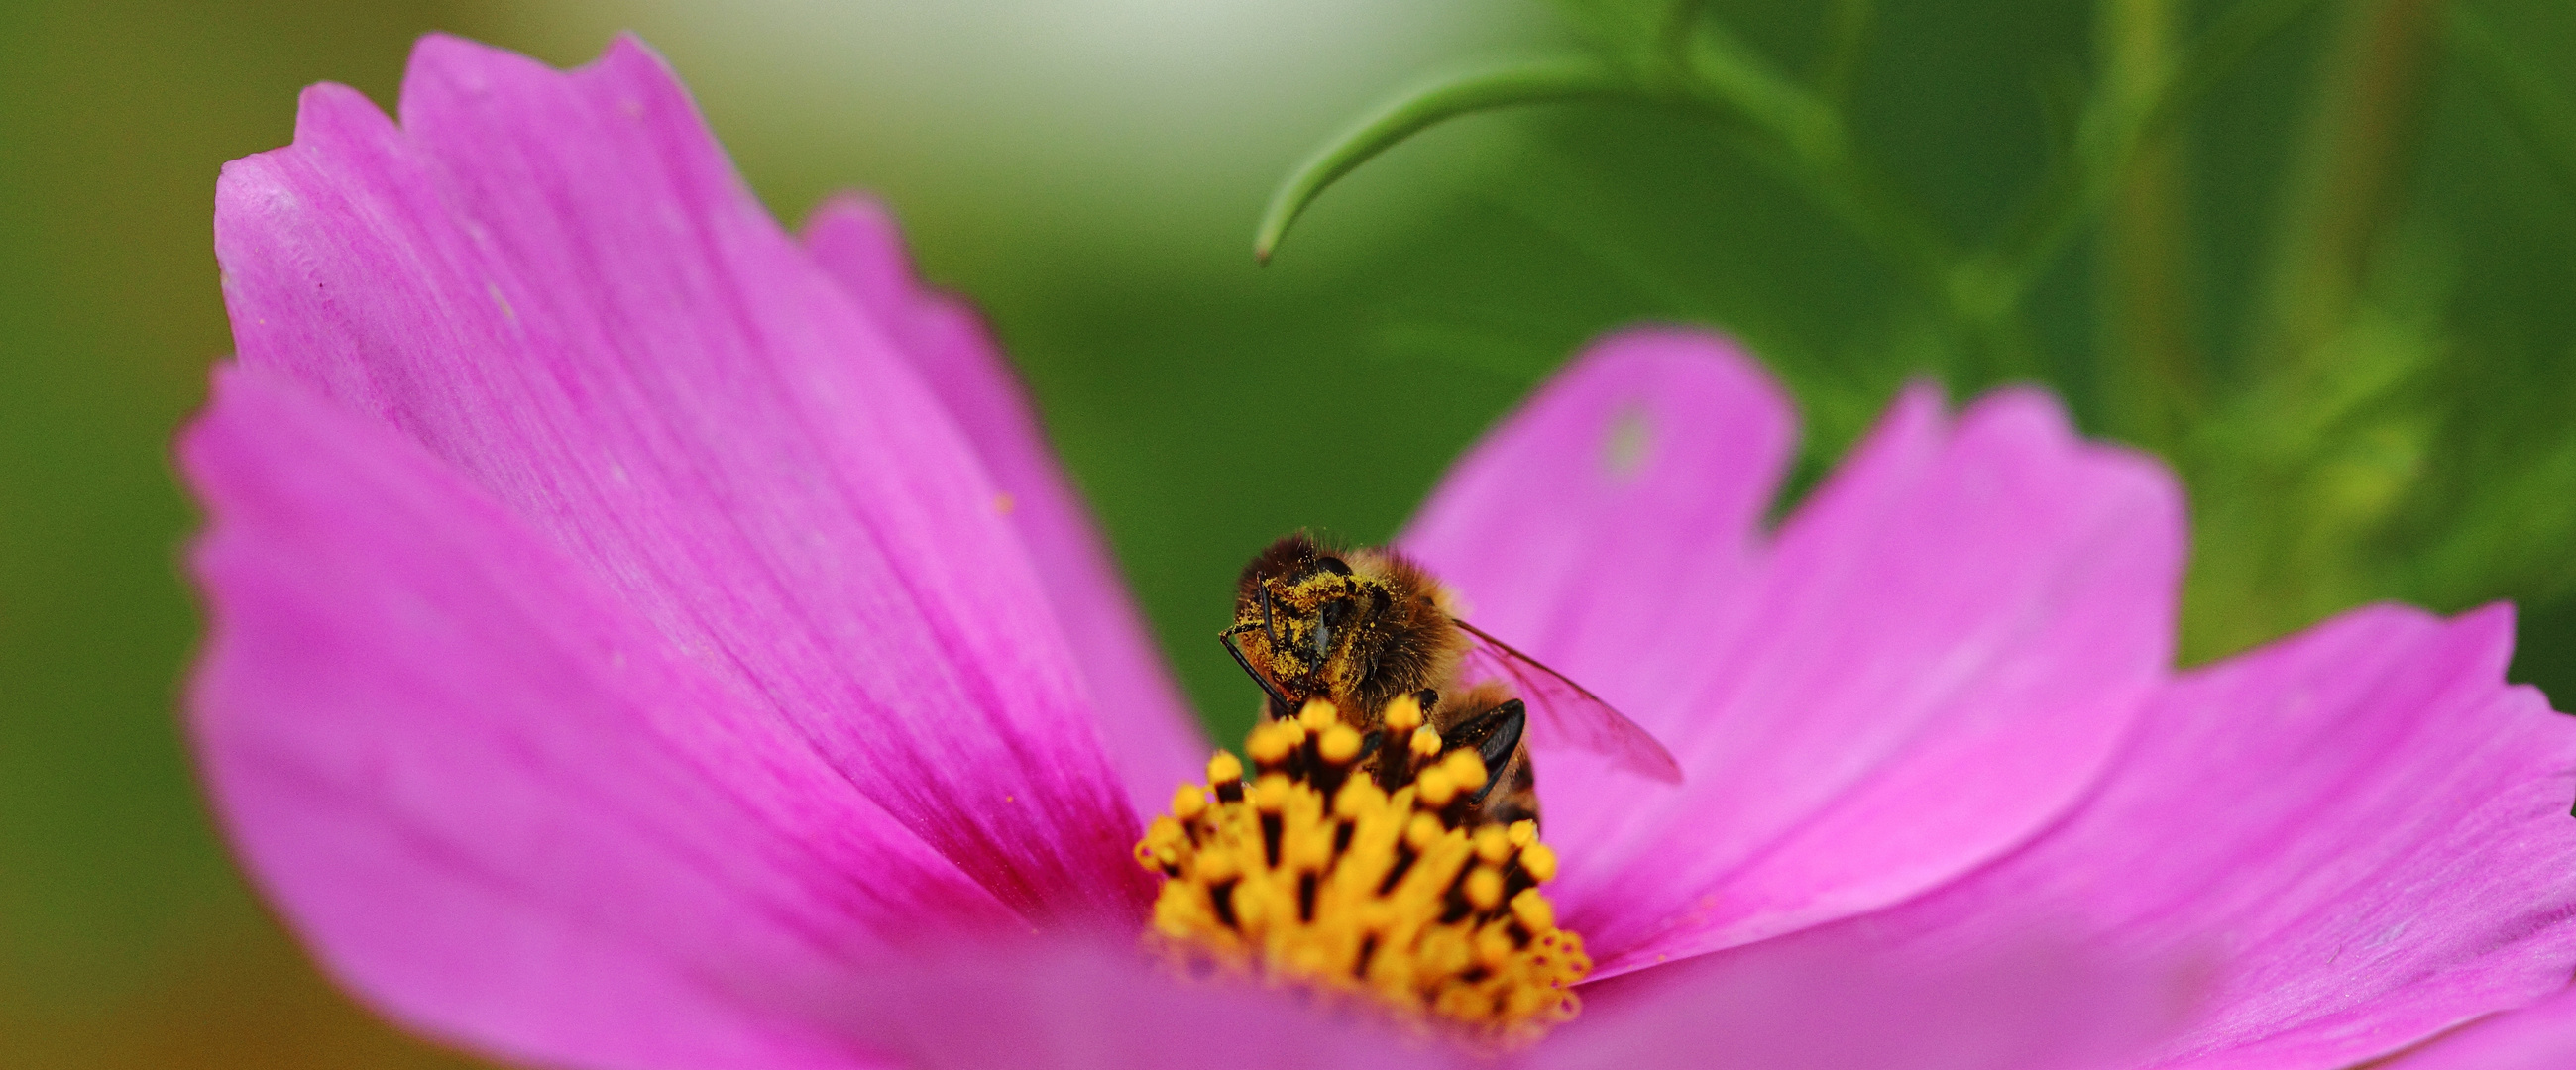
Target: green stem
[[2357, 142], [2148, 365], [2285, 538], [1846, 37], [2122, 120]]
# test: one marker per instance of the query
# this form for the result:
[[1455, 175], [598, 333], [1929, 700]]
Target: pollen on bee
[[1367, 890]]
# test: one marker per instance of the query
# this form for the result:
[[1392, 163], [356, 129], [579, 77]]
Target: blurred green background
[[2327, 275]]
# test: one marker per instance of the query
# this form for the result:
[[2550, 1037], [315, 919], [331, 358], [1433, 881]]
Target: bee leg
[[1496, 735], [1279, 706]]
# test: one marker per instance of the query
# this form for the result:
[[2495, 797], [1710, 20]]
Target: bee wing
[[1562, 710]]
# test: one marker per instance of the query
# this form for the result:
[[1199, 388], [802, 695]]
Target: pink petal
[[1074, 1005], [1152, 739], [1932, 658], [556, 283], [1641, 471], [2015, 1004], [500, 806], [2363, 829], [2538, 1037]]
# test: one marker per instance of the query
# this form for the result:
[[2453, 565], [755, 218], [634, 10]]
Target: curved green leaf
[[1420, 109]]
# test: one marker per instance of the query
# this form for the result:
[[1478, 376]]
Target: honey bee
[[1360, 628]]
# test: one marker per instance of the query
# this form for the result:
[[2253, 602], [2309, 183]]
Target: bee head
[[1308, 623]]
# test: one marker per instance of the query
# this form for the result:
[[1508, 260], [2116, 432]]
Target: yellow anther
[[1250, 906], [1276, 882], [1423, 831], [1404, 714], [1534, 912], [1435, 786], [1466, 767], [1540, 860], [1426, 742], [1339, 744], [1224, 768], [1309, 852], [1270, 744], [1270, 793], [1358, 798], [1318, 715]]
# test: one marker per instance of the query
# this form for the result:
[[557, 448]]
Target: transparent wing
[[1561, 711]]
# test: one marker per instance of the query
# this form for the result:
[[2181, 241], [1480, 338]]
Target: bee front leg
[[1279, 706]]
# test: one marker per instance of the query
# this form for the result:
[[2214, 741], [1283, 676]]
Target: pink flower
[[2541, 1036], [641, 639]]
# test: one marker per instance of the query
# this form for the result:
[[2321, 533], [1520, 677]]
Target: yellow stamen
[[1540, 860], [1426, 742], [1339, 744], [1403, 715], [1464, 767], [1438, 787], [1359, 884]]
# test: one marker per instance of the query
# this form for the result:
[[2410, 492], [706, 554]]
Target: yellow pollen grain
[[1493, 844], [1318, 715], [1188, 801]]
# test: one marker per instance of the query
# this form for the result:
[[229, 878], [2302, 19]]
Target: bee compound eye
[[1335, 565], [1337, 613]]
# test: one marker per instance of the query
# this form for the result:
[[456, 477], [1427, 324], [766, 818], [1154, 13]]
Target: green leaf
[[1425, 106], [2538, 112]]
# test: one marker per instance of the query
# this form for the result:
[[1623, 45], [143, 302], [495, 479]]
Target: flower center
[[1360, 880]]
